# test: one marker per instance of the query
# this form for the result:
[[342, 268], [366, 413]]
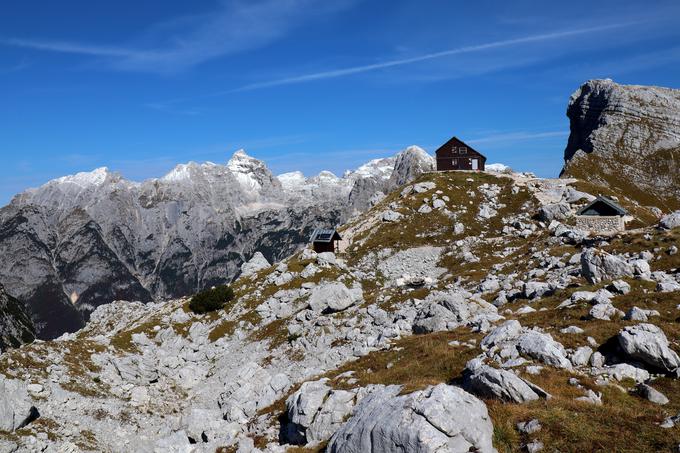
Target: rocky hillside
[[626, 137], [463, 314], [15, 324], [88, 239]]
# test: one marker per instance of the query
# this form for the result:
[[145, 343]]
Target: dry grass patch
[[122, 341], [413, 362], [224, 329], [624, 423]]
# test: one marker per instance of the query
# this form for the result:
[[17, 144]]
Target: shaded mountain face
[[89, 239], [626, 137], [16, 327]]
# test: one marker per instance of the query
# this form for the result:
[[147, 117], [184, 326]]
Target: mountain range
[[83, 240]]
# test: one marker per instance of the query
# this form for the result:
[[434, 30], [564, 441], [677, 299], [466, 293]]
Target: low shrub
[[211, 299]]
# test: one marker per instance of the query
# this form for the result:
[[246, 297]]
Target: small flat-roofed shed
[[324, 240]]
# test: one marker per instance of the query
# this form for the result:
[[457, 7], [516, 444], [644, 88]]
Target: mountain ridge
[[94, 237], [626, 137]]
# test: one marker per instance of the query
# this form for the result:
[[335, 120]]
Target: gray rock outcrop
[[437, 419], [598, 266], [255, 264], [554, 211], [626, 137], [488, 382], [670, 221], [648, 344], [315, 412], [16, 408], [542, 347], [447, 310], [333, 297]]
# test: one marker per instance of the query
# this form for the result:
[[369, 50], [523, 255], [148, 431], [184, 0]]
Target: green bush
[[211, 299]]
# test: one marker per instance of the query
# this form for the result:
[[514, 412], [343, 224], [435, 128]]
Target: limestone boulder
[[542, 347], [333, 297], [442, 418], [315, 412], [488, 382], [257, 263], [598, 266], [670, 221], [16, 407], [648, 344]]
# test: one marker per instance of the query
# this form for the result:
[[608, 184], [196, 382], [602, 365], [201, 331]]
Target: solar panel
[[324, 236]]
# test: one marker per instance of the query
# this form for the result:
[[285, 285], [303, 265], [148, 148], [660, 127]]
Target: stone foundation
[[600, 224]]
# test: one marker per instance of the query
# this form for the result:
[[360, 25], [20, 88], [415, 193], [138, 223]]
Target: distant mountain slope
[[626, 137], [15, 324], [88, 239]]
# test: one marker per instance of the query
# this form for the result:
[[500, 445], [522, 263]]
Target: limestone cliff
[[626, 137]]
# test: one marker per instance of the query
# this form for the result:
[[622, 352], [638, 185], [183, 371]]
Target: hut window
[[462, 149], [453, 150], [455, 161]]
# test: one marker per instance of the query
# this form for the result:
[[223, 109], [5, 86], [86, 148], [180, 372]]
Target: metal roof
[[324, 235], [609, 202]]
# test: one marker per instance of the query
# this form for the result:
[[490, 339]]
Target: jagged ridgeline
[[463, 312], [626, 138], [85, 240]]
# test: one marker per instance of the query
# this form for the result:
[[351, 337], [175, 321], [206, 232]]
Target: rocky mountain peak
[[378, 168], [409, 163], [91, 238], [252, 174], [95, 177], [626, 137]]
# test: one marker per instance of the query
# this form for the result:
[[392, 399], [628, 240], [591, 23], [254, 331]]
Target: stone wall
[[600, 224]]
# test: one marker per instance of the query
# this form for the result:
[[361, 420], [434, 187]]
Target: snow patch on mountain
[[380, 168], [95, 177], [497, 167]]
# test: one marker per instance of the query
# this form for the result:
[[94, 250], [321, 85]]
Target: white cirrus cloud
[[237, 26]]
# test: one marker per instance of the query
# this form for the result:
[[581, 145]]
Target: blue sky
[[307, 84]]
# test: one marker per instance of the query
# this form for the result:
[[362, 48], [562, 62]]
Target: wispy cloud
[[513, 137], [67, 47], [342, 72], [237, 26]]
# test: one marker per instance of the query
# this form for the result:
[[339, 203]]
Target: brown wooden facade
[[458, 155]]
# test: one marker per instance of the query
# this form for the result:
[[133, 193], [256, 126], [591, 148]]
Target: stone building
[[601, 215]]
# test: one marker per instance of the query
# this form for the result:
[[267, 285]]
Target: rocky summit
[[85, 240], [626, 137], [463, 312]]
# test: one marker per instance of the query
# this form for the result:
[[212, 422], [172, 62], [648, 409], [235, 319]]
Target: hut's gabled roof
[[324, 235], [603, 205], [458, 142]]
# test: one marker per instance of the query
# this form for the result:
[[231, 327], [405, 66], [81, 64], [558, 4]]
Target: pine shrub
[[211, 299]]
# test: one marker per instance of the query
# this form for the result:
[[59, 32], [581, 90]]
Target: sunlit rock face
[[626, 137], [91, 238]]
